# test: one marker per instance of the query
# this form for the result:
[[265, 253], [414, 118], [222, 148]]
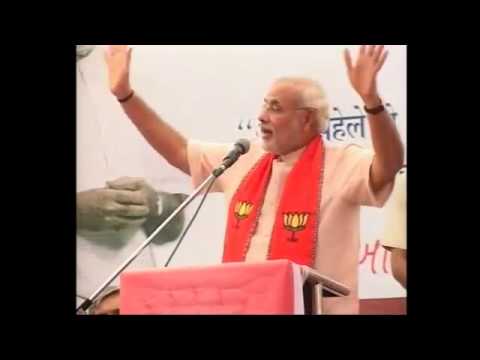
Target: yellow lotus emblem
[[295, 222], [242, 210]]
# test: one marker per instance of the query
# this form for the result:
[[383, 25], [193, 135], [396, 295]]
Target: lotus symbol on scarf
[[242, 210], [294, 222]]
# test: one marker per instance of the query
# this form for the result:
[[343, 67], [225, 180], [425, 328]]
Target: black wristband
[[375, 110], [128, 97]]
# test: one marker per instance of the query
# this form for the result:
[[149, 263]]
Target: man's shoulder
[[346, 150], [208, 148], [255, 145]]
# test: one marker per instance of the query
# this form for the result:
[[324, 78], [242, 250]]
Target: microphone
[[239, 148]]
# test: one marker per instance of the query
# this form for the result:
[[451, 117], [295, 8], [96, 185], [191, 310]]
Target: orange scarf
[[294, 234]]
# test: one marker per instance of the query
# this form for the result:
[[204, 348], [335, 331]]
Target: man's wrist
[[125, 98], [372, 102]]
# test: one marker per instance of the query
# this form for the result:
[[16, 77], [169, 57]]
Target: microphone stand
[[88, 302]]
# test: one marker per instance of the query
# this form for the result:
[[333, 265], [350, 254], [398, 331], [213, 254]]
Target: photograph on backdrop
[[116, 208]]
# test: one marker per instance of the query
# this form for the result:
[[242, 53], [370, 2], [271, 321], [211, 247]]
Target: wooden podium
[[271, 287]]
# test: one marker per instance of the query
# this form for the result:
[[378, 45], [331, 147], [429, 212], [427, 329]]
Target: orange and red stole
[[294, 234]]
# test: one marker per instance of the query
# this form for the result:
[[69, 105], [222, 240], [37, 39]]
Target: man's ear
[[309, 121]]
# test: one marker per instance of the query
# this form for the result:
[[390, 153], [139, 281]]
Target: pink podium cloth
[[272, 287]]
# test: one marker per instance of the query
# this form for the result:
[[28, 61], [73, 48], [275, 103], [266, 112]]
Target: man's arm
[[167, 141], [386, 140]]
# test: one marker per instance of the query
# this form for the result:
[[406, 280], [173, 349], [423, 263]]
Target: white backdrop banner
[[214, 93]]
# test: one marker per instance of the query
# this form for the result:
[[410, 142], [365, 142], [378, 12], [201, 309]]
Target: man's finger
[[115, 208], [129, 54], [382, 60], [131, 211], [348, 59], [120, 223], [378, 52], [371, 50], [126, 183], [129, 197], [362, 49]]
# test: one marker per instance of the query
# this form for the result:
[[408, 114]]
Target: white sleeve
[[395, 234]]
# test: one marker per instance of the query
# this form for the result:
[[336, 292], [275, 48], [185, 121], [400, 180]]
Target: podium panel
[[271, 287]]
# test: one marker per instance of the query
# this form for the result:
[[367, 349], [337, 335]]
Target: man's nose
[[263, 117]]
